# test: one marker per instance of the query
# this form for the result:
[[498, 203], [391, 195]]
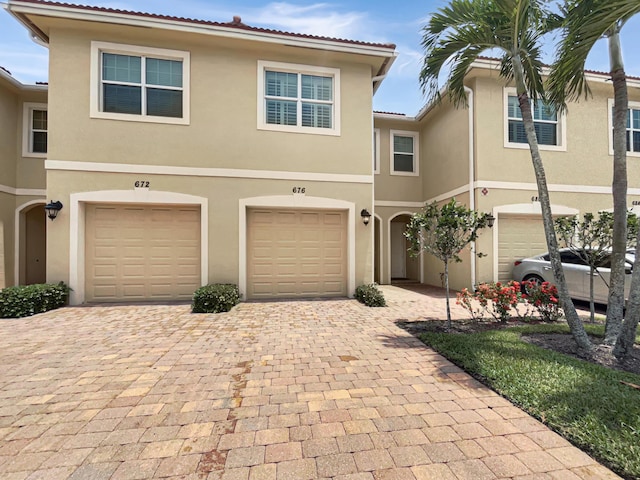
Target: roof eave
[[20, 10], [21, 86], [494, 64], [389, 116]]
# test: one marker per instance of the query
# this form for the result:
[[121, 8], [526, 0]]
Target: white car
[[576, 271]]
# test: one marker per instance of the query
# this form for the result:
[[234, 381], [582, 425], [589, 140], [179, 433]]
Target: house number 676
[[299, 189]]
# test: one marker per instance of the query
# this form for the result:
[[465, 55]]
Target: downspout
[[472, 196]]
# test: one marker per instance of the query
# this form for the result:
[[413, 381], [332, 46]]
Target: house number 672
[[298, 189], [141, 184]]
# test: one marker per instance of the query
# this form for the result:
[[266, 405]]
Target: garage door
[[518, 237], [293, 253], [144, 252]]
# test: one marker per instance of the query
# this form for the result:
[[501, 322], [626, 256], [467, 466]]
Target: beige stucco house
[[479, 156], [23, 143], [188, 152]]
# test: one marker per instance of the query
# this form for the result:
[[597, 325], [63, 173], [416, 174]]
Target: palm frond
[[586, 22], [460, 32]]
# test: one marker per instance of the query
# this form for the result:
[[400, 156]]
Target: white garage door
[[293, 253], [141, 252], [518, 237]]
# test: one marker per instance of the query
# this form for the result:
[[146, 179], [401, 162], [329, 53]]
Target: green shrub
[[26, 300], [370, 295], [215, 298]]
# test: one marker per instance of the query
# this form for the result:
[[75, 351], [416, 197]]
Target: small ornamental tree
[[591, 239], [444, 232]]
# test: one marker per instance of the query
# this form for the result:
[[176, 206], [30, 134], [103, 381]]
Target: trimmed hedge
[[26, 300], [215, 298], [370, 295]]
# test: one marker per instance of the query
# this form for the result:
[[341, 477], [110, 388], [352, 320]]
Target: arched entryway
[[403, 267], [32, 244]]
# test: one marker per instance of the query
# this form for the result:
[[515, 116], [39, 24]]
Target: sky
[[398, 22]]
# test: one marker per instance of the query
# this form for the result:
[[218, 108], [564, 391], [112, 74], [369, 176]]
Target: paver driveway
[[282, 390]]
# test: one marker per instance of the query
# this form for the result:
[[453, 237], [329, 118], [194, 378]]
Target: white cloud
[[408, 63], [25, 65], [316, 19]]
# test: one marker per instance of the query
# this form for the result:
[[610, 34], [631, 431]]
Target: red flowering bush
[[497, 299], [544, 298], [503, 301], [469, 300]]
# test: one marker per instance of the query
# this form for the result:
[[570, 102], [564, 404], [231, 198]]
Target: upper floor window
[[139, 83], [548, 124], [633, 128], [298, 98], [35, 130], [404, 153], [376, 150]]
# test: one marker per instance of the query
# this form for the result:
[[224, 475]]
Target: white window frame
[[632, 106], [97, 48], [27, 129], [561, 133], [376, 150], [299, 70], [416, 152]]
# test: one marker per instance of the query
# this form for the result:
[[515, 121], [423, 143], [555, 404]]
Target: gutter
[[472, 193]]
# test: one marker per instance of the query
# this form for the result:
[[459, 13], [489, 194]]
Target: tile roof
[[592, 72], [236, 23], [390, 113]]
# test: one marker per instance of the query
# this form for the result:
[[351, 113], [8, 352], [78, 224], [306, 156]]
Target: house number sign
[[299, 190], [141, 184]]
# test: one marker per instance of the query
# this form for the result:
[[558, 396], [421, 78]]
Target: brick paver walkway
[[282, 390]]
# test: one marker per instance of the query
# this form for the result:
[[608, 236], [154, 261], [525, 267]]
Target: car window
[[546, 257], [571, 258]]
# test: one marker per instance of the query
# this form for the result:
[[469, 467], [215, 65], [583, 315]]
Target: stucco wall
[[445, 149], [223, 88], [9, 106], [396, 187], [222, 196]]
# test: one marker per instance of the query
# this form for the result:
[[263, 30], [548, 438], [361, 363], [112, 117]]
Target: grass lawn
[[584, 402]]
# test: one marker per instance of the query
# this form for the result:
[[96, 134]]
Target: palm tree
[[460, 32], [586, 22]]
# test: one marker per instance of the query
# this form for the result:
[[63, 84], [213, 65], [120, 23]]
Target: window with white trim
[[139, 83], [404, 152], [298, 98], [35, 130], [548, 124], [633, 128], [376, 150]]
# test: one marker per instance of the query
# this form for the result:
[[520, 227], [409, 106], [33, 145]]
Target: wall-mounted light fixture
[[490, 220], [52, 209], [366, 216]]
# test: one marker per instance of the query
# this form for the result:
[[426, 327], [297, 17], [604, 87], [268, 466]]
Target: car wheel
[[533, 280]]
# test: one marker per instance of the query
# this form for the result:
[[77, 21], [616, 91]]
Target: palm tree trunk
[[592, 303], [446, 286], [615, 303], [575, 324], [624, 344]]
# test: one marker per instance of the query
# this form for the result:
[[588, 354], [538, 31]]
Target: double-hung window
[[139, 83], [404, 152], [298, 98], [35, 130], [548, 124], [633, 128]]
